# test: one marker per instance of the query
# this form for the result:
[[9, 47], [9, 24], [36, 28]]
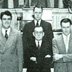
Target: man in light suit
[[62, 48], [11, 52], [39, 53], [29, 28]]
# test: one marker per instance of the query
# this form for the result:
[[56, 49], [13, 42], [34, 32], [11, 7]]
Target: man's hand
[[48, 56], [33, 58], [57, 56]]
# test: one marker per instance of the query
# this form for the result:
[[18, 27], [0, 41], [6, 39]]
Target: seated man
[[38, 55]]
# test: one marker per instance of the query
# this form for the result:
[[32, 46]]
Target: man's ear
[[43, 33], [33, 34]]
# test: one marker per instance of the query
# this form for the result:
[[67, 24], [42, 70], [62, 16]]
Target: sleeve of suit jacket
[[25, 44], [56, 50], [54, 46], [20, 51], [66, 57]]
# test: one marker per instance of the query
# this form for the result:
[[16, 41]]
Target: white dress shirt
[[40, 42], [3, 31], [35, 21], [66, 41]]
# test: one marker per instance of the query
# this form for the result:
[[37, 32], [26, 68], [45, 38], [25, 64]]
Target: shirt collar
[[40, 42], [8, 31], [66, 36], [35, 21]]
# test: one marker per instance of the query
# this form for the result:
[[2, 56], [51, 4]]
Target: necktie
[[38, 45], [37, 24], [6, 35]]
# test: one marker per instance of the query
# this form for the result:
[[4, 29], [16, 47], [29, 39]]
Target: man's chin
[[7, 27], [39, 39]]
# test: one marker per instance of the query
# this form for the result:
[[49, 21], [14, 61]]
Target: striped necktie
[[37, 24], [6, 35]]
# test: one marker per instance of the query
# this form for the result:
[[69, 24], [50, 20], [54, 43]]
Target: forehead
[[38, 29], [65, 24], [6, 16], [37, 9]]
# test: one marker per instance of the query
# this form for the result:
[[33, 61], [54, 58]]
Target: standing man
[[62, 48], [11, 52], [29, 28], [38, 54]]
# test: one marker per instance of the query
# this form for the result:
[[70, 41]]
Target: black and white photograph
[[35, 35]]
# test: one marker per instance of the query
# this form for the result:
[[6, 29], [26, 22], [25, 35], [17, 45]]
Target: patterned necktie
[[38, 45], [6, 35]]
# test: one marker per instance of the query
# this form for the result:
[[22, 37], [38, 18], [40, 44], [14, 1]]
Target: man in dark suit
[[38, 54], [29, 27], [11, 49]]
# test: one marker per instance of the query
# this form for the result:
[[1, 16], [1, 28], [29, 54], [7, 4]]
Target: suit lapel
[[11, 37], [70, 44], [62, 45], [33, 24], [5, 44], [41, 24], [2, 38], [2, 42]]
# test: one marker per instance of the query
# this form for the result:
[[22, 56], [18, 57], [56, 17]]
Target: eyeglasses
[[6, 18]]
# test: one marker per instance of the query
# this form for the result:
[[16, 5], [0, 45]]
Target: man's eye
[[6, 19]]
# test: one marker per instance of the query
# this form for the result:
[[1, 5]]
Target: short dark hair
[[38, 6], [65, 20], [8, 13]]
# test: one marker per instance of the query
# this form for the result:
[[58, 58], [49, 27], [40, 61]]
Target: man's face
[[66, 28], [6, 21], [38, 33], [37, 13]]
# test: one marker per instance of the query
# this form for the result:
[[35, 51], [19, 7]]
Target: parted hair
[[8, 13], [65, 20]]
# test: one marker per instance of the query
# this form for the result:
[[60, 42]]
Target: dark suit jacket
[[11, 52], [40, 53], [28, 36]]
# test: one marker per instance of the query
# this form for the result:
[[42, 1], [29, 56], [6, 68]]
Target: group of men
[[36, 50], [37, 59]]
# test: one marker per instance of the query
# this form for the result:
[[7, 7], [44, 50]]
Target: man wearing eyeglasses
[[11, 52], [38, 53]]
